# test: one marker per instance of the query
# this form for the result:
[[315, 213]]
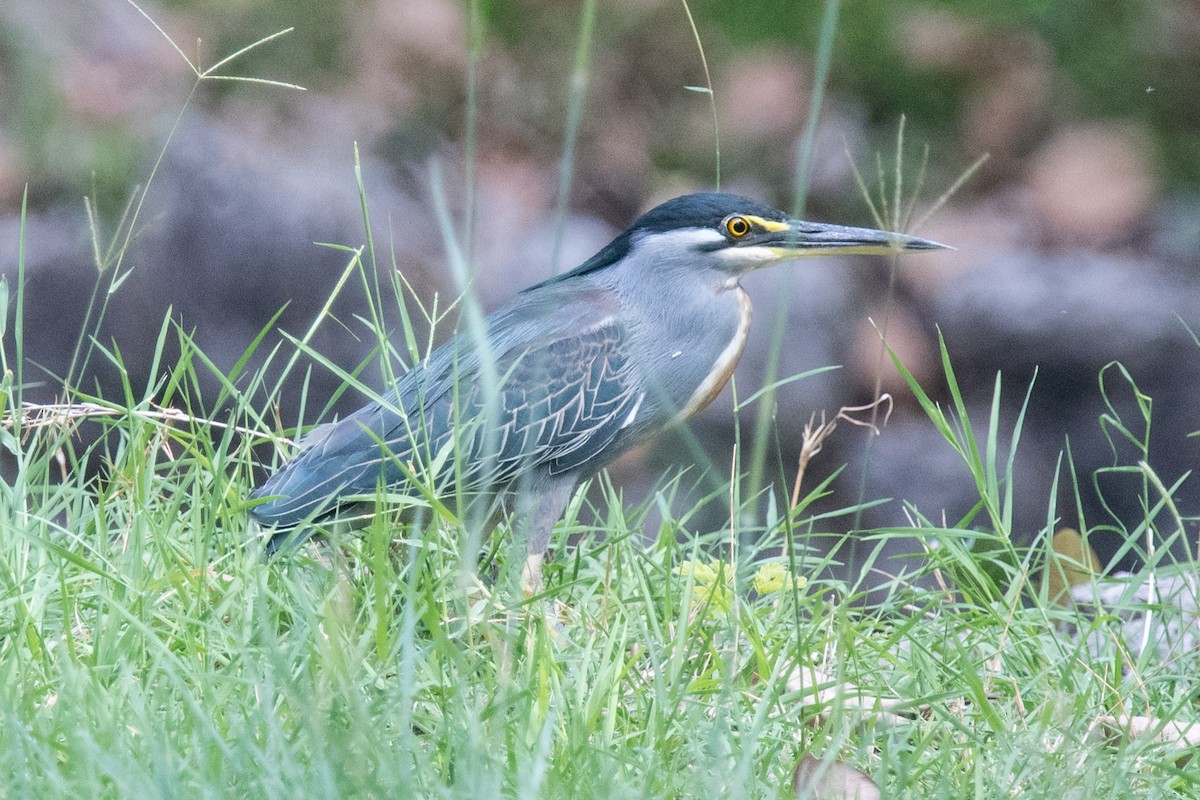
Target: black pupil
[[738, 227]]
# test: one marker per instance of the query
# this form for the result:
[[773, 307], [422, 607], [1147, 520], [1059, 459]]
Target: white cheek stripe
[[755, 255]]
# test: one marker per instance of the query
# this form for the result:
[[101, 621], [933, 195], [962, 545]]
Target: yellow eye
[[737, 226]]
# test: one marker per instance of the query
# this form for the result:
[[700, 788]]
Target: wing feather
[[566, 389]]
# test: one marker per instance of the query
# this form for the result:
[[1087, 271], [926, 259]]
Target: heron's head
[[736, 234], [733, 235]]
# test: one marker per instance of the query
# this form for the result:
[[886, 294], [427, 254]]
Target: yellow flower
[[772, 577], [712, 583], [702, 572]]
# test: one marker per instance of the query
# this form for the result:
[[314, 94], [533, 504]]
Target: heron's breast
[[725, 363]]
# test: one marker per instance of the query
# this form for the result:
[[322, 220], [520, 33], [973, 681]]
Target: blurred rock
[[1009, 68], [517, 233], [872, 368], [841, 137], [825, 778], [762, 96], [1067, 316], [1175, 233], [100, 54], [1093, 183], [432, 33], [229, 243], [938, 39], [986, 228], [1159, 611], [76, 100], [1008, 109], [13, 174]]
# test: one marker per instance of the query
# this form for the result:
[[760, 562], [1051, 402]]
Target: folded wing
[[559, 391]]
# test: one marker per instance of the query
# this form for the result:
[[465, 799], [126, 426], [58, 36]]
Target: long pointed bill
[[797, 239]]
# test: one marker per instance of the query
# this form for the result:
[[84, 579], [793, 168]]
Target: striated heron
[[566, 377]]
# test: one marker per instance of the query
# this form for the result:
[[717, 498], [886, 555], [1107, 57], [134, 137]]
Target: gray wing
[[562, 390], [561, 404]]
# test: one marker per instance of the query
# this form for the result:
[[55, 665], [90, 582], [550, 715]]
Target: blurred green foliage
[[1110, 59], [313, 53], [1107, 59]]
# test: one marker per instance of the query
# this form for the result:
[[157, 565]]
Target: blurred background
[[1078, 239]]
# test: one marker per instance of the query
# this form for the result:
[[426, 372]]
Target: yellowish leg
[[531, 575]]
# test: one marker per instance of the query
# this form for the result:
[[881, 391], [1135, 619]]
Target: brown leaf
[[1072, 562]]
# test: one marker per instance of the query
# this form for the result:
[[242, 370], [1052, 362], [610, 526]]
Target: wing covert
[[561, 391]]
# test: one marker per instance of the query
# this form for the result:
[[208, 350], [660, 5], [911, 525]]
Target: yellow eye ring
[[737, 226]]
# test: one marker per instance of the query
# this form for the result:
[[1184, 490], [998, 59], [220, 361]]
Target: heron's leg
[[539, 506]]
